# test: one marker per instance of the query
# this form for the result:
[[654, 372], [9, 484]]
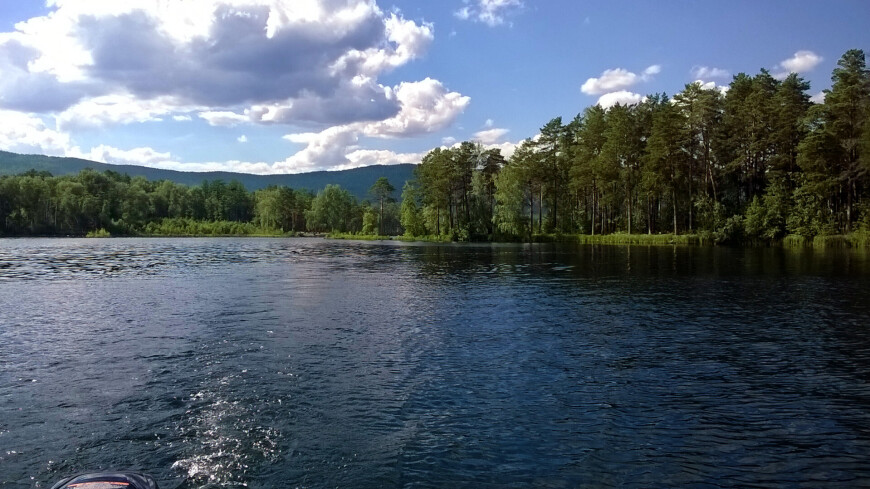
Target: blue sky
[[286, 86]]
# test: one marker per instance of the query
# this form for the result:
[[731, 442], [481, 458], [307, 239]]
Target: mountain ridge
[[357, 180]]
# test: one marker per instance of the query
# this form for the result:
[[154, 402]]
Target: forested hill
[[357, 181]]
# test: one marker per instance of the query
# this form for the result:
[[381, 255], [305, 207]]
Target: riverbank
[[858, 239]]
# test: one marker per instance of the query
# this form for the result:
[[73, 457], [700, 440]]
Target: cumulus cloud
[[489, 12], [707, 72], [360, 99], [801, 62], [712, 86], [650, 71], [426, 106], [490, 136], [113, 109], [367, 157], [223, 118], [137, 156], [617, 79], [622, 97], [310, 64], [610, 80], [507, 148], [818, 98], [24, 133], [242, 139], [219, 54]]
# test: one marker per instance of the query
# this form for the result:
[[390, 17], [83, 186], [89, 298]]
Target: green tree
[[331, 210], [411, 219], [383, 191], [846, 113], [665, 156]]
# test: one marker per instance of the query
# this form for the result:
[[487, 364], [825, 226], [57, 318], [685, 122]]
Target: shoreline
[[856, 240]]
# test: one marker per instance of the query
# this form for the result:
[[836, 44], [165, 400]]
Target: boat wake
[[225, 443]]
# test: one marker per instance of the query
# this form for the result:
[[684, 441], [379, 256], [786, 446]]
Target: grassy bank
[[857, 239], [624, 239], [374, 237], [191, 228], [359, 237]]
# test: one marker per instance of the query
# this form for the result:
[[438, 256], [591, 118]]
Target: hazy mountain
[[357, 181]]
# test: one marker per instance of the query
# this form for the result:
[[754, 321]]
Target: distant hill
[[357, 181]]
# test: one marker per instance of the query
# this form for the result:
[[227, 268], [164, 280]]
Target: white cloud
[[712, 86], [448, 141], [242, 139], [24, 133], [366, 157], [801, 62], [818, 98], [426, 106], [137, 156], [219, 55], [490, 136], [489, 123], [706, 72], [610, 80], [223, 118], [651, 70], [489, 12], [617, 79], [622, 97], [507, 148], [305, 63], [113, 109]]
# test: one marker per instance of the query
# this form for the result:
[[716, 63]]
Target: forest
[[755, 161], [110, 203]]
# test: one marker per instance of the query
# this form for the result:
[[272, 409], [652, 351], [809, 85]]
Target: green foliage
[[92, 204], [510, 196], [333, 209], [189, 227], [643, 239], [411, 218], [99, 233], [370, 222]]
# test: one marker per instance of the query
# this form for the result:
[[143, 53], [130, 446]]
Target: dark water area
[[267, 363]]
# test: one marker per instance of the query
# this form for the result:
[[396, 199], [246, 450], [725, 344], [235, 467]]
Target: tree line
[[37, 203], [754, 162]]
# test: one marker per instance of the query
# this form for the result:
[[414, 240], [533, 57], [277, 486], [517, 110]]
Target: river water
[[271, 363]]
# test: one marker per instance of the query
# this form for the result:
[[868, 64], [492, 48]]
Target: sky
[[289, 86]]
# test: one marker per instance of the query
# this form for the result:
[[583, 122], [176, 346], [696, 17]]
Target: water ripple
[[309, 363]]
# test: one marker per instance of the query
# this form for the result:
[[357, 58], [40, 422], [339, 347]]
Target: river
[[269, 363]]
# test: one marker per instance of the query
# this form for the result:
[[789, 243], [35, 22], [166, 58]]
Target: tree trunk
[[593, 212], [381, 221]]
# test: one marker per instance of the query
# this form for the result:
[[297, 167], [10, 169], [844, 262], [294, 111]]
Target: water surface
[[269, 363]]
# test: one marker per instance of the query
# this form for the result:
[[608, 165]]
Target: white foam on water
[[224, 441]]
